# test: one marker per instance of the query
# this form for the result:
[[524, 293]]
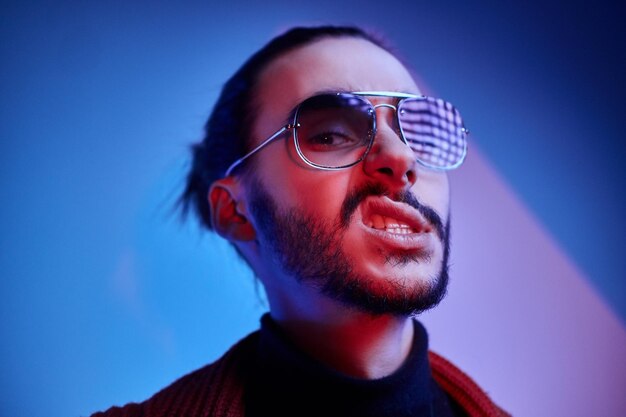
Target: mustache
[[358, 194]]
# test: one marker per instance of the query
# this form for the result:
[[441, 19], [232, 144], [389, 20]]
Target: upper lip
[[402, 212]]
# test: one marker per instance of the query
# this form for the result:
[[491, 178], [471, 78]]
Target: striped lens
[[433, 128]]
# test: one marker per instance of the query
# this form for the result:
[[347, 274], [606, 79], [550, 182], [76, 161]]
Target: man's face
[[373, 236]]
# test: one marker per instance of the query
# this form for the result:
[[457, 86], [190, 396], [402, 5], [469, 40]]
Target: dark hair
[[228, 128]]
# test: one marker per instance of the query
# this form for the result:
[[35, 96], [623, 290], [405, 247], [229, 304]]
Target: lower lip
[[411, 241]]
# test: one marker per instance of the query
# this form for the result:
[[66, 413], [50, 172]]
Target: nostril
[[386, 171], [411, 176]]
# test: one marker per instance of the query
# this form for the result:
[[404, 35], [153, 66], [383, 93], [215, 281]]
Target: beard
[[310, 250]]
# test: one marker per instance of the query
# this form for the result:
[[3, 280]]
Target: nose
[[390, 160]]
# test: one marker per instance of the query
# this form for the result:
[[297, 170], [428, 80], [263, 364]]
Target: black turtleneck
[[286, 382]]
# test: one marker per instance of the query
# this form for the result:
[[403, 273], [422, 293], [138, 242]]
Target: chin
[[400, 291]]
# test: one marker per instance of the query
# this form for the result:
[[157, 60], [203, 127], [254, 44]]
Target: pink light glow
[[520, 317]]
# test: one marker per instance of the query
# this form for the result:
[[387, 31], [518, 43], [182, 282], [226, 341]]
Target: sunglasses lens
[[433, 128], [334, 130]]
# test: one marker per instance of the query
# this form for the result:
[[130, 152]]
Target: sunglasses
[[333, 131]]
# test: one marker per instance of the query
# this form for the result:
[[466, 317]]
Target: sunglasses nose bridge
[[391, 106], [392, 121]]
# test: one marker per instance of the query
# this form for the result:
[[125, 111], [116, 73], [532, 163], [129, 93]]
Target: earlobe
[[226, 219]]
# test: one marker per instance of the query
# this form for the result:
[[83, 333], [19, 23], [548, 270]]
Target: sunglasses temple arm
[[255, 150]]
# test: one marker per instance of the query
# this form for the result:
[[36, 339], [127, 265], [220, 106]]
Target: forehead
[[346, 63]]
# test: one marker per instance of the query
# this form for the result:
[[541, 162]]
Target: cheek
[[433, 189], [294, 184], [443, 198]]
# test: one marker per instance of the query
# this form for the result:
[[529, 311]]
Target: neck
[[354, 343]]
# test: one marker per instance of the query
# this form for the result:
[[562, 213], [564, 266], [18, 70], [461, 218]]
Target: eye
[[330, 141]]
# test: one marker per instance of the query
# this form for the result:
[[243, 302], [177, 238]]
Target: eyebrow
[[354, 89], [333, 90]]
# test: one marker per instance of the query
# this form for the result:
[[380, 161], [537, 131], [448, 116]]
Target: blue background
[[107, 297]]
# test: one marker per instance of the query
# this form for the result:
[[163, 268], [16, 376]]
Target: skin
[[349, 340]]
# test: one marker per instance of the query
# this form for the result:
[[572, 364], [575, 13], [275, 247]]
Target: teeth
[[390, 225], [399, 230]]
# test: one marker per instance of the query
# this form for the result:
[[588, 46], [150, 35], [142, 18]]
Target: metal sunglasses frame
[[293, 125]]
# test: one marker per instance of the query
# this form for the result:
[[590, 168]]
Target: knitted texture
[[215, 390], [463, 389]]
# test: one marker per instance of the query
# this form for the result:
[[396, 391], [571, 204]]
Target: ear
[[227, 219]]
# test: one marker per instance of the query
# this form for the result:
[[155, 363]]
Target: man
[[325, 167]]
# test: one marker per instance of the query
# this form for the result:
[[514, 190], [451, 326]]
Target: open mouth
[[384, 214], [389, 225]]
